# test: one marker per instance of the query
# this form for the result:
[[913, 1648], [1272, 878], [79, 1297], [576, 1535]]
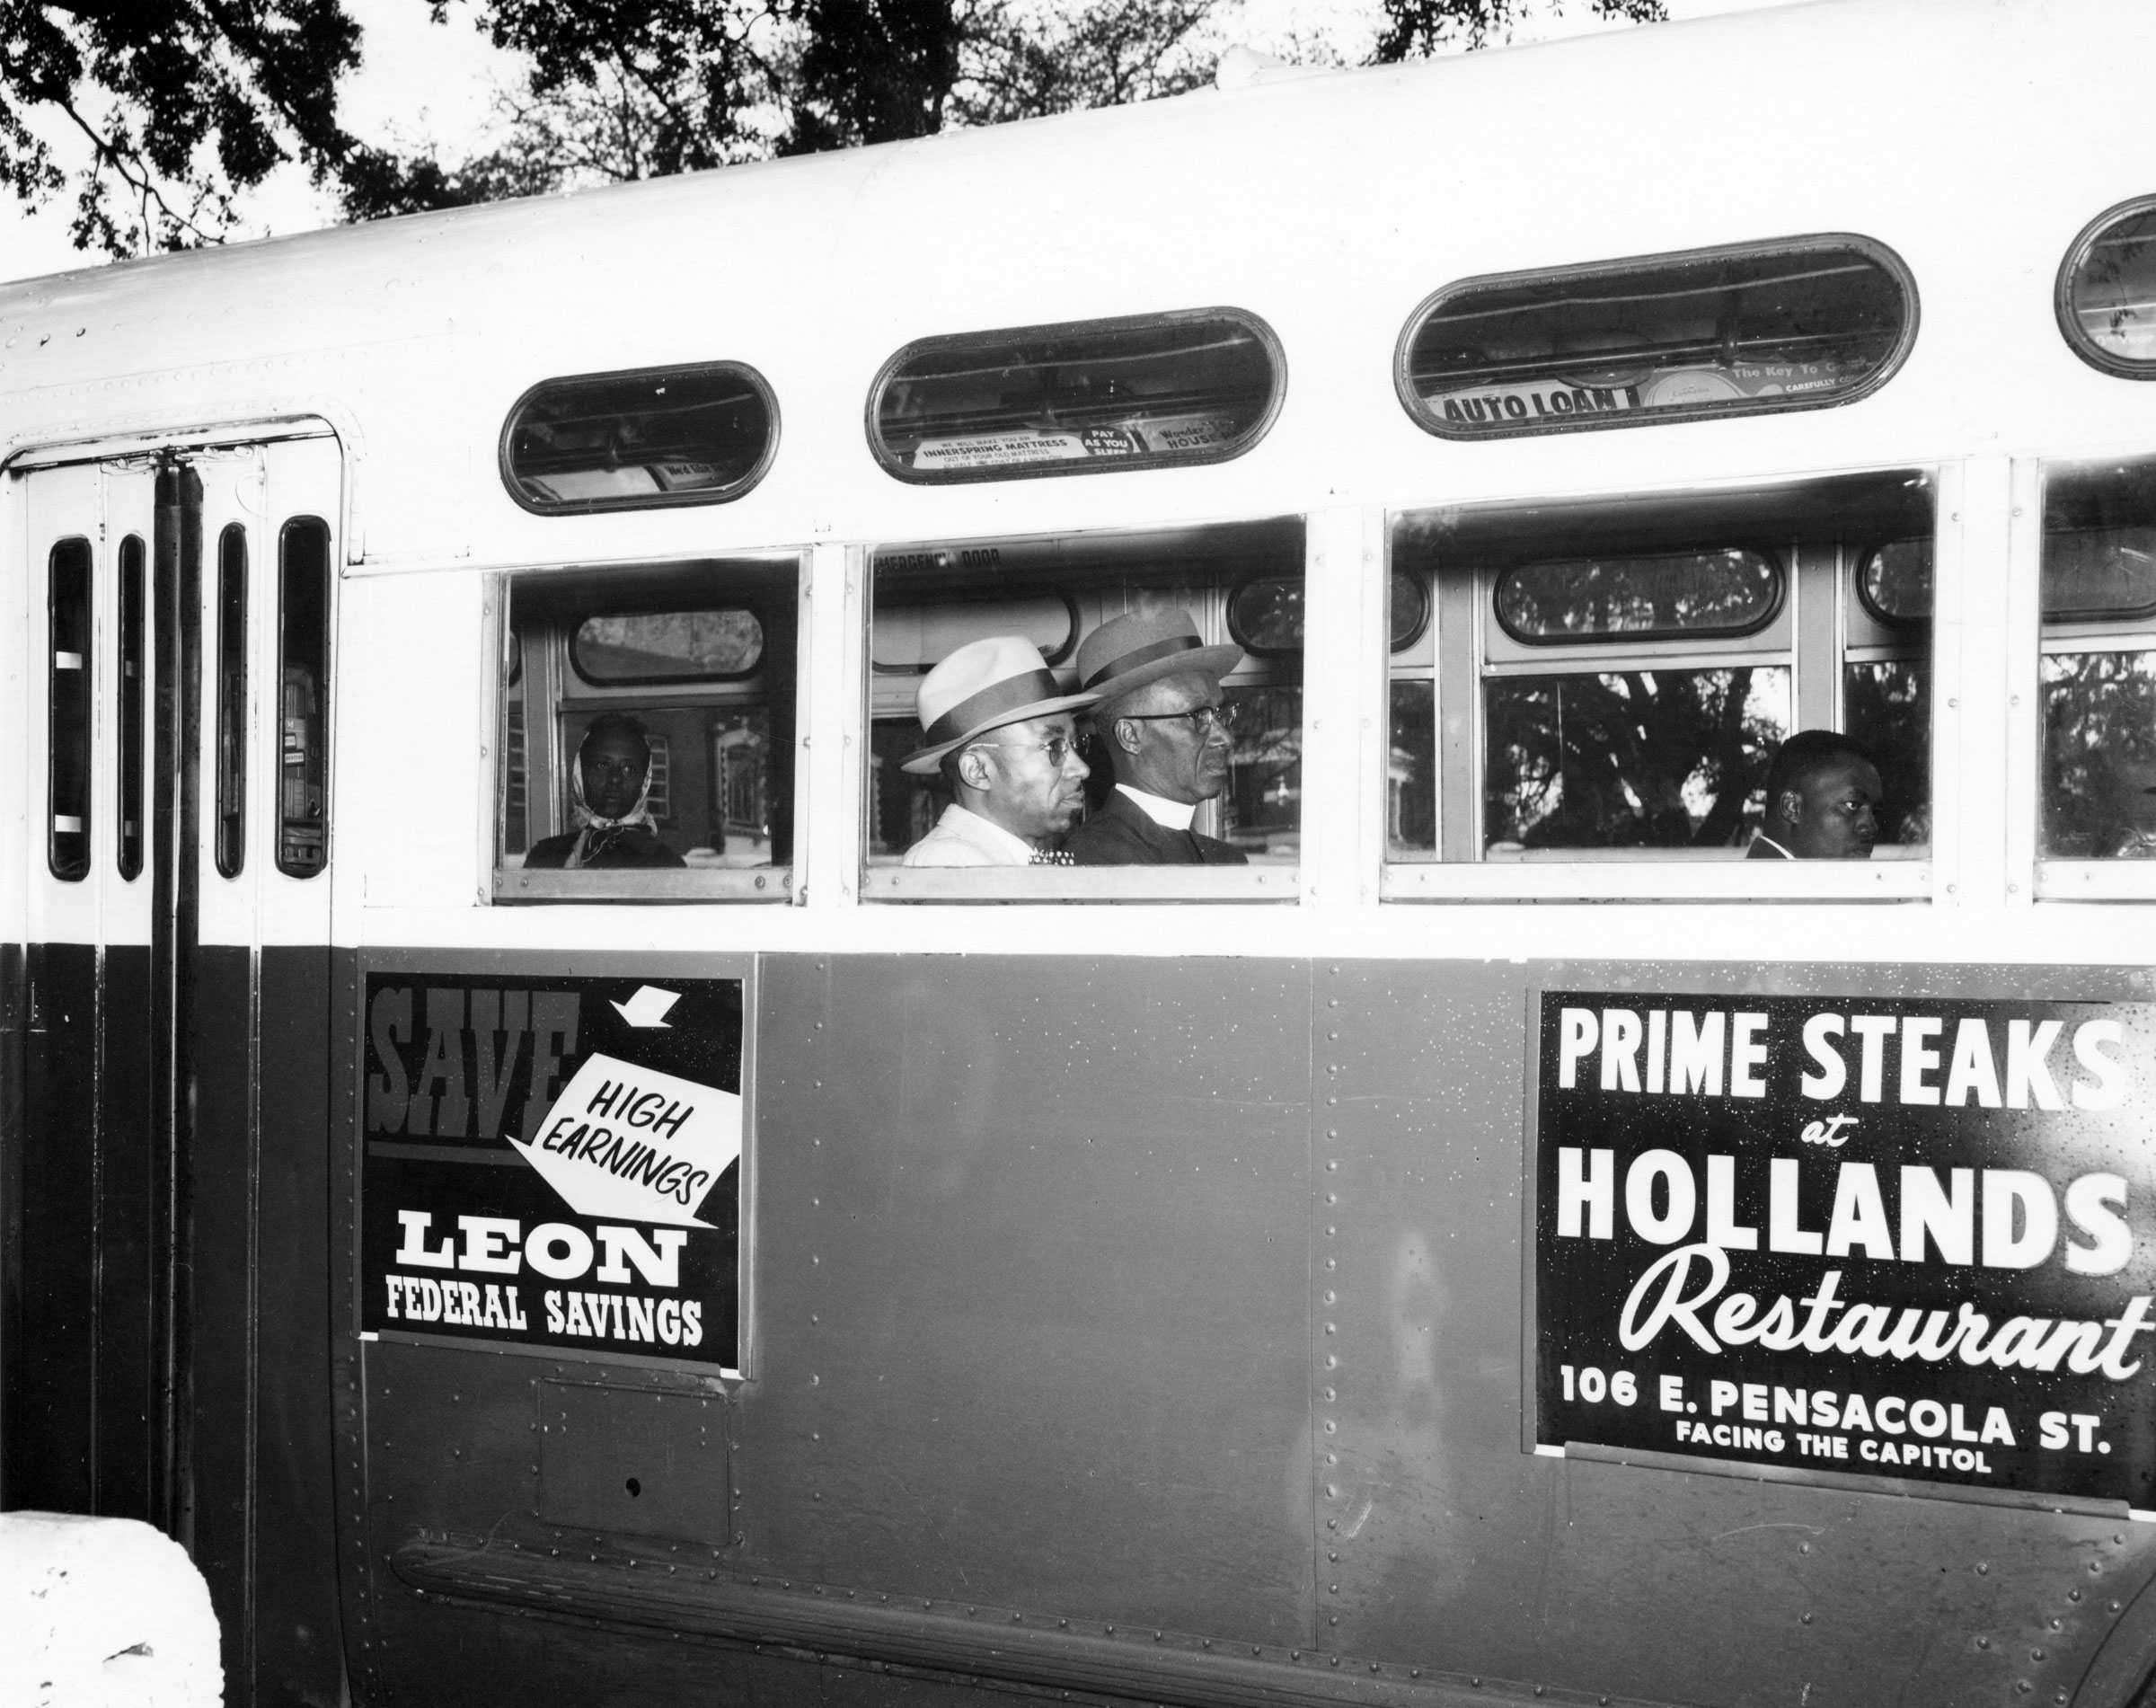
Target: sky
[[423, 83]]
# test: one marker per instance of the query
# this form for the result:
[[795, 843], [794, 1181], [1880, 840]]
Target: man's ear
[[973, 768], [1789, 806], [1126, 734]]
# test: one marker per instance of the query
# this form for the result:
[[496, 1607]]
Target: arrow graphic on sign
[[649, 1006], [630, 1144]]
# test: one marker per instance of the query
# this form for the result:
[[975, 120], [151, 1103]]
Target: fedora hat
[[982, 686], [1128, 651]]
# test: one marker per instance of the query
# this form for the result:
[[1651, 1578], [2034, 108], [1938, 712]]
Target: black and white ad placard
[[1900, 1239], [554, 1164]]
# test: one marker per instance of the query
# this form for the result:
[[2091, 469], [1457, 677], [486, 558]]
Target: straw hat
[[1126, 652], [982, 686]]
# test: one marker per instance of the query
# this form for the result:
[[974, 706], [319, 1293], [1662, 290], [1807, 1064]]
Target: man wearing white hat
[[999, 729], [1170, 734]]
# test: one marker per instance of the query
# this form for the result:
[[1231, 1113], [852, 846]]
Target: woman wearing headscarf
[[609, 787]]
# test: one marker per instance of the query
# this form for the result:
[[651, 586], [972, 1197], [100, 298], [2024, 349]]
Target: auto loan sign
[[1902, 1239], [554, 1164]]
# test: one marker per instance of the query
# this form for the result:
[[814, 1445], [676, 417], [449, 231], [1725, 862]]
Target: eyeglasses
[[1204, 719], [1060, 749]]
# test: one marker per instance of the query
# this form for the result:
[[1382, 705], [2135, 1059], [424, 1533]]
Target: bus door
[[165, 1354]]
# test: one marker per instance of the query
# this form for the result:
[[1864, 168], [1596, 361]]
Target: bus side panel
[[261, 1318], [459, 1654], [13, 1021], [297, 1646], [128, 1196], [220, 1293], [1032, 1260], [1758, 1586], [51, 1344]]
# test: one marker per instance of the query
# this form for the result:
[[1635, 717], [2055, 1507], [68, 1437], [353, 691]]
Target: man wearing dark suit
[[1823, 800], [1161, 721]]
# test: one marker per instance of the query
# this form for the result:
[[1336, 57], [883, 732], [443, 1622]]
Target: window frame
[[891, 882], [552, 689], [2054, 877], [2062, 295], [229, 673], [131, 748], [684, 499], [71, 706], [1618, 640], [286, 574], [1248, 441], [1573, 273], [606, 684], [1673, 875]]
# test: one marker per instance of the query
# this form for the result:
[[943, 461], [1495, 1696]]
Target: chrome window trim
[[1871, 248], [2061, 295], [1269, 341], [739, 488]]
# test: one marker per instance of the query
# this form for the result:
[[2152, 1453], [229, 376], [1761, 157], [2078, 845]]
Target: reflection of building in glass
[[1263, 806]]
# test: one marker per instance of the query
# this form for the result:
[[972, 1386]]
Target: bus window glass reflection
[[931, 601], [648, 719], [68, 714], [2098, 665], [1613, 680]]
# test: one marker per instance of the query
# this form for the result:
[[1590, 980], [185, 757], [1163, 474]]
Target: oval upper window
[[667, 646], [1727, 592], [2107, 294], [1799, 324], [1265, 616], [1893, 582], [1152, 391], [645, 439]]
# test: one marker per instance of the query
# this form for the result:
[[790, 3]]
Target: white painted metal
[[1328, 206]]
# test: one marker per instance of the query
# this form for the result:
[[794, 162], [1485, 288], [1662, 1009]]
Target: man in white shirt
[[1171, 735], [1822, 801], [1000, 730]]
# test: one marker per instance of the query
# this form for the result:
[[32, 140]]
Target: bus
[[1496, 1240]]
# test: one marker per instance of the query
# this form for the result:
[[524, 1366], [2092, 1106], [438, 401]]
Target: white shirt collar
[[985, 834], [1169, 815], [1781, 851]]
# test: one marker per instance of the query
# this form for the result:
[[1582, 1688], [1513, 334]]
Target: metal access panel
[[630, 1461]]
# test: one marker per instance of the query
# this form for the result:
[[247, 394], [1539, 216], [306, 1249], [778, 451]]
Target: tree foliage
[[185, 105], [1415, 29], [626, 89]]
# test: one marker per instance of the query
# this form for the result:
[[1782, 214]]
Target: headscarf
[[595, 835]]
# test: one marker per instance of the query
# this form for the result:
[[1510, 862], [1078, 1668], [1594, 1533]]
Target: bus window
[[648, 733], [1613, 680], [1228, 598], [232, 701], [67, 727], [2107, 291], [303, 644], [648, 439], [1148, 391], [2098, 666], [133, 667], [1799, 324]]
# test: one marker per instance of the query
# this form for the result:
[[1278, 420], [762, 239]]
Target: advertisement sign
[[1538, 401], [554, 1164], [1893, 1238]]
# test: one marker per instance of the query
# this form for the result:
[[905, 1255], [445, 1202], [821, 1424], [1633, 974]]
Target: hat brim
[[1215, 661], [924, 760]]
